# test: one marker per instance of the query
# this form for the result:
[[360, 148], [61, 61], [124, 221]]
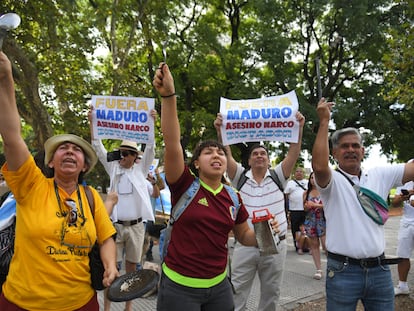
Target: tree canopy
[[66, 51]]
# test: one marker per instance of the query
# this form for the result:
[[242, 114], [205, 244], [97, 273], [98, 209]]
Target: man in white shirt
[[260, 191], [128, 177], [294, 193], [356, 267]]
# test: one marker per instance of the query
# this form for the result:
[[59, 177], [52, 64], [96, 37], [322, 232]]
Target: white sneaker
[[401, 291]]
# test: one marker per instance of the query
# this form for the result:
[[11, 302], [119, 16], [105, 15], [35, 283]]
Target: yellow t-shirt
[[50, 266]]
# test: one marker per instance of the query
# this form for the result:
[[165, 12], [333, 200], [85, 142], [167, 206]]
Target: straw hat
[[129, 145], [55, 141]]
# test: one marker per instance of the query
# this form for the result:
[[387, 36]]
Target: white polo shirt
[[349, 231], [264, 195]]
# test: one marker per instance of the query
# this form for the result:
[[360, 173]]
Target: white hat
[[55, 141], [129, 145]]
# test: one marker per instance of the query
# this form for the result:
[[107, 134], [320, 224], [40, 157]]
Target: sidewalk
[[298, 284]]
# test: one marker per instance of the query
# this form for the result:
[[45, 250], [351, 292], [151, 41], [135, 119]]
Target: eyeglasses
[[73, 212]]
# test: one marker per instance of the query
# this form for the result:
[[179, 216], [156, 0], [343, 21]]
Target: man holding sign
[[261, 191], [263, 119], [128, 171]]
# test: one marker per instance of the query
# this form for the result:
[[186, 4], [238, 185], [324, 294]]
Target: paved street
[[298, 284]]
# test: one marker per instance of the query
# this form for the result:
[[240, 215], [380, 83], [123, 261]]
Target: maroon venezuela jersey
[[198, 244]]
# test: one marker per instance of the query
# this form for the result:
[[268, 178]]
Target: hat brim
[[55, 141], [128, 148]]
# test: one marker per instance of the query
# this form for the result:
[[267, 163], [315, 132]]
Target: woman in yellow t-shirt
[[55, 228]]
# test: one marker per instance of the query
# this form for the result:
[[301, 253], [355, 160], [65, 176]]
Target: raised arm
[[160, 181], [170, 126], [98, 146], [320, 151], [408, 172], [294, 150], [15, 148], [155, 189], [231, 162]]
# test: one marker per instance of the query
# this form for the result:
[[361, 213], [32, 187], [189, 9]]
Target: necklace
[[72, 215]]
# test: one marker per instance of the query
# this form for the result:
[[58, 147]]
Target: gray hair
[[338, 134]]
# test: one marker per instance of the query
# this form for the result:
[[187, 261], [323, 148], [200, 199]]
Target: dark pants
[[175, 297], [296, 219]]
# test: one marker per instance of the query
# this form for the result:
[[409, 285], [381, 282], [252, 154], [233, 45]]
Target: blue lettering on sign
[[245, 114], [265, 113], [286, 112], [255, 114], [117, 115], [233, 115], [259, 134]]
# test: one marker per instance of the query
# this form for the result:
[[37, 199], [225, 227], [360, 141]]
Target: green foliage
[[66, 51]]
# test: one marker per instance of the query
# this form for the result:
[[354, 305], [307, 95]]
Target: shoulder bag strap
[[91, 200], [299, 184]]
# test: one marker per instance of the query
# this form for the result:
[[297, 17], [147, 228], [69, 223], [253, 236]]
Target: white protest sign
[[119, 117], [153, 166], [263, 119]]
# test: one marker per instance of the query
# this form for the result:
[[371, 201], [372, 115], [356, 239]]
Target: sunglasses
[[126, 153], [73, 212]]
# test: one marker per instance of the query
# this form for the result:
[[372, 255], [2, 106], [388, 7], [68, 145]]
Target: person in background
[[258, 192], [149, 241], [315, 224], [53, 235], [294, 194], [194, 274], [302, 239], [128, 177], [405, 235], [152, 184], [356, 267]]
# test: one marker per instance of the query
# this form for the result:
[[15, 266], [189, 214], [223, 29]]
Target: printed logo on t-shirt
[[203, 201]]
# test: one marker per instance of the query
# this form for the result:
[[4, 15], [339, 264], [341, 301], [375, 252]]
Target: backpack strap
[[189, 195], [184, 201], [276, 179], [242, 180], [234, 197], [273, 175]]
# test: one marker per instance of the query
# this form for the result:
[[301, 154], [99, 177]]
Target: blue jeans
[[346, 284]]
